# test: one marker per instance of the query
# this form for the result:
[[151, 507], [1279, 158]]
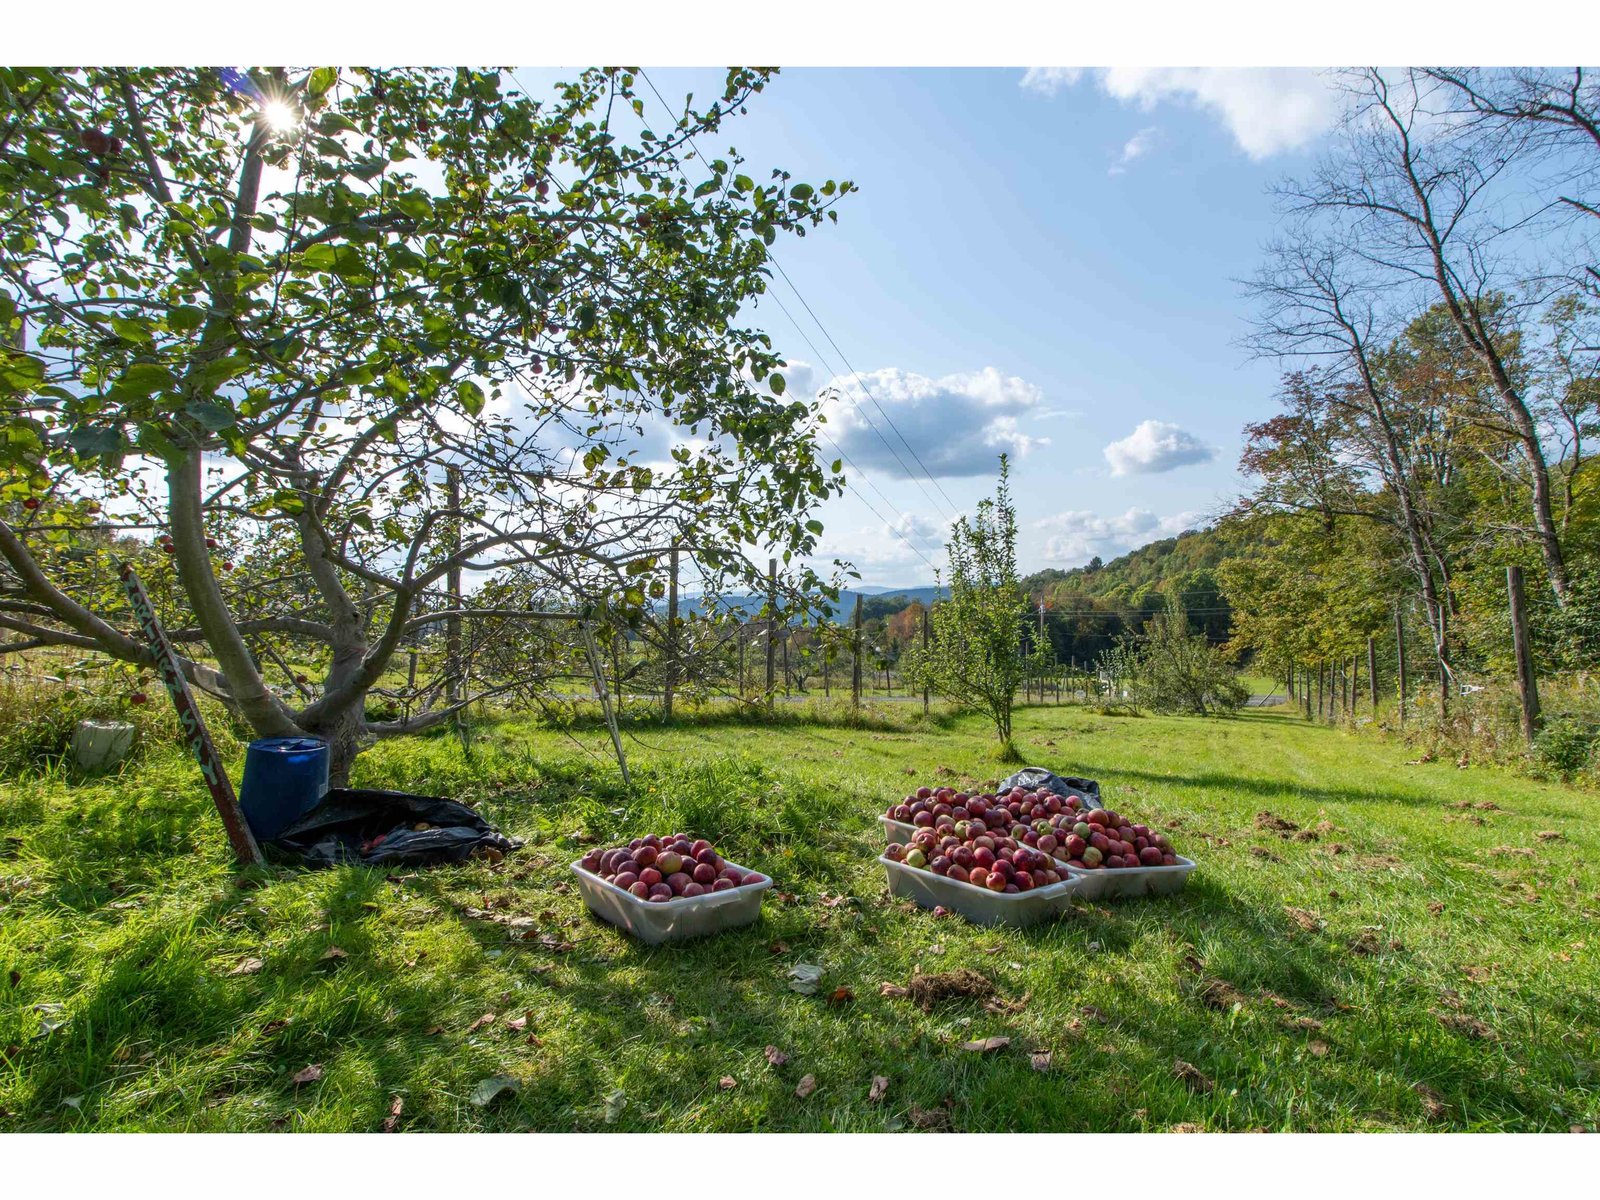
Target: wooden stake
[[191, 724], [1527, 684], [672, 637], [1372, 672], [1400, 669], [855, 656]]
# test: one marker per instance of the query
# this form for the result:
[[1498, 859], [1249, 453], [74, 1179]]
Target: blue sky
[[1045, 263]]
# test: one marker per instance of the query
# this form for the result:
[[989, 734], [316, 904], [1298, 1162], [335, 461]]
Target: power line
[[952, 508], [836, 447]]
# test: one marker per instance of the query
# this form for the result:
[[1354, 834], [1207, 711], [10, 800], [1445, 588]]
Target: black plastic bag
[[377, 828], [1033, 778]]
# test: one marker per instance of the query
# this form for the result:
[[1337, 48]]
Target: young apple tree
[[975, 654], [354, 332]]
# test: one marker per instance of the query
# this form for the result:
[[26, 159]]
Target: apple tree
[[326, 338]]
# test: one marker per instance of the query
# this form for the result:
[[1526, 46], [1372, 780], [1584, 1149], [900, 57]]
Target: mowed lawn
[[1418, 951]]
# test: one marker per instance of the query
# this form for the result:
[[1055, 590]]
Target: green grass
[[116, 904]]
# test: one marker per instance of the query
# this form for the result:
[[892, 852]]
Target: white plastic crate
[[1106, 883], [678, 919], [980, 905]]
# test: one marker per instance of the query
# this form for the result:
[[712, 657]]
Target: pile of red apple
[[661, 868], [978, 858], [946, 808], [1099, 838]]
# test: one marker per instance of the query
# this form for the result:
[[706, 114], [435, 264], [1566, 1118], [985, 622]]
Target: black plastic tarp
[[1034, 778], [378, 828]]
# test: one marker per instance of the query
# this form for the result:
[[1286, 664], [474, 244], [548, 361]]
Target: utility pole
[[855, 656], [671, 674], [1400, 670], [1527, 685]]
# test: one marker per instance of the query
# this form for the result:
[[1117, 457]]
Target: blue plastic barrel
[[283, 780]]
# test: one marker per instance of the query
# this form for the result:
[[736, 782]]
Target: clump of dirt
[[961, 984], [1268, 820], [1191, 1076]]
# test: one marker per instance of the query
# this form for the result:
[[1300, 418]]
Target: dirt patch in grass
[[940, 988]]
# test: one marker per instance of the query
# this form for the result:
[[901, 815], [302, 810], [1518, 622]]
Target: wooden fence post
[[855, 656], [772, 624], [1400, 671], [925, 621], [1372, 672], [672, 638], [1527, 684]]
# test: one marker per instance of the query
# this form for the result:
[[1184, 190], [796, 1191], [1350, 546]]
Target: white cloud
[[1268, 110], [1137, 146], [1050, 80], [1156, 446], [1077, 536], [956, 425]]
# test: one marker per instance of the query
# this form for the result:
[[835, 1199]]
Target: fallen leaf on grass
[[433, 1030], [1040, 1060], [332, 954], [486, 1019], [930, 1118], [841, 995], [1550, 835], [1432, 1103], [307, 1074], [986, 1045], [892, 989], [1465, 1024], [518, 1023], [805, 978], [1001, 1006], [1191, 1076], [880, 1085], [1304, 1024], [248, 966], [778, 947], [1304, 918], [807, 1085], [775, 1057], [392, 1121], [1319, 1049], [1263, 852], [727, 1083], [73, 1102], [1436, 908], [486, 1091]]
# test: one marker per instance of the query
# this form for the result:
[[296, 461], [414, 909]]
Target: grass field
[[1421, 955]]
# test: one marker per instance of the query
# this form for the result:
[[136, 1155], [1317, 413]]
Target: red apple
[[723, 885], [692, 889], [753, 878], [704, 873], [677, 882], [668, 862], [625, 880], [995, 881], [1150, 856]]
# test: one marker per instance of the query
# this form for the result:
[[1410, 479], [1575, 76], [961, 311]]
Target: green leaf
[[471, 396], [322, 80], [801, 191], [185, 318], [89, 441], [814, 526], [210, 415], [333, 122], [706, 188], [342, 259], [393, 530], [19, 371], [217, 372], [777, 384], [146, 379], [131, 331]]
